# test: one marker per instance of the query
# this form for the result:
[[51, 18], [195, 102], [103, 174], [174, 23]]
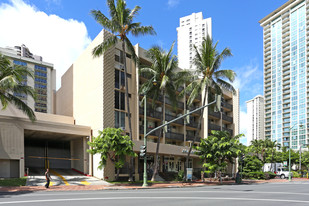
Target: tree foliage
[[112, 144], [218, 149], [11, 82]]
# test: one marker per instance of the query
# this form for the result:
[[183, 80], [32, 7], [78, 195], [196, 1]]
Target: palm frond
[[101, 48]]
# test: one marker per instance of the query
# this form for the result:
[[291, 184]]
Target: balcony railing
[[192, 124], [191, 137], [214, 114], [150, 113], [174, 135], [191, 108], [169, 117], [214, 127], [227, 105], [227, 118], [155, 133]]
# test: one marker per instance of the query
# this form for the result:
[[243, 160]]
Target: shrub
[[269, 175], [295, 174], [180, 175], [254, 175]]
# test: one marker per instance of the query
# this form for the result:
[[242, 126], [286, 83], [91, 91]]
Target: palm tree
[[11, 78], [207, 76], [164, 71], [121, 25]]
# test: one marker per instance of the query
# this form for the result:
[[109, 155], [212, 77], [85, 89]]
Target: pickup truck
[[283, 172]]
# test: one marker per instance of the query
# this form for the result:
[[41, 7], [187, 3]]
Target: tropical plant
[[207, 76], [163, 71], [112, 144], [121, 25], [219, 149], [11, 82]]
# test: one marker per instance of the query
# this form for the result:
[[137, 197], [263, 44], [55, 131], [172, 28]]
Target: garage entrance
[[55, 151], [47, 154]]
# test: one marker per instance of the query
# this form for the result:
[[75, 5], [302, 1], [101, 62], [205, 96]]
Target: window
[[20, 63], [119, 119], [119, 100], [119, 79]]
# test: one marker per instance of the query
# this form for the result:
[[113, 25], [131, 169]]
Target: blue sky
[[234, 24]]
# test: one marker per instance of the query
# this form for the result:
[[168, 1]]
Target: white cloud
[[57, 40], [172, 3]]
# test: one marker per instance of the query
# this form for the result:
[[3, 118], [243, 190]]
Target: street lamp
[[145, 137], [290, 148]]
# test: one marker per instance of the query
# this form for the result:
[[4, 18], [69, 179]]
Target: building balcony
[[214, 127], [192, 124], [227, 118], [150, 113], [191, 108], [155, 133], [169, 117], [214, 114], [191, 137], [227, 105], [174, 136]]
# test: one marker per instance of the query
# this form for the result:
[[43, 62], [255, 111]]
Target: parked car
[[283, 172]]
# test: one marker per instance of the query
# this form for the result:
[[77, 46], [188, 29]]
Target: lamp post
[[145, 142], [290, 149]]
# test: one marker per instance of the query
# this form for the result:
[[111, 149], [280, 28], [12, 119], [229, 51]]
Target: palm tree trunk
[[205, 101], [155, 171], [128, 108]]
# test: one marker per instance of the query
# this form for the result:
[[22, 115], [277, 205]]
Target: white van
[[283, 172]]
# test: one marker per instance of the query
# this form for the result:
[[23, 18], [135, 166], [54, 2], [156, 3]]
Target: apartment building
[[52, 141], [285, 78], [255, 112], [44, 81], [93, 92], [191, 31]]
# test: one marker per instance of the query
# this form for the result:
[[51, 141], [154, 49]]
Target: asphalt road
[[295, 193]]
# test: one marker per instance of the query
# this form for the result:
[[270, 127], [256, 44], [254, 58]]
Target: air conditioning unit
[[122, 67], [123, 128]]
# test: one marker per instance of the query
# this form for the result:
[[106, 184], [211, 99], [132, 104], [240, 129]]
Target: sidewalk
[[128, 186]]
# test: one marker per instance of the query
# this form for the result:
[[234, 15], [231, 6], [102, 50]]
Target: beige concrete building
[[52, 141], [93, 91]]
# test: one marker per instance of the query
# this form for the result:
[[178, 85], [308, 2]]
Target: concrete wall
[[9, 168], [64, 95]]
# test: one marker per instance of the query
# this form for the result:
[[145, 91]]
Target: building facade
[[94, 91], [285, 78], [52, 141], [191, 31], [44, 81], [255, 112]]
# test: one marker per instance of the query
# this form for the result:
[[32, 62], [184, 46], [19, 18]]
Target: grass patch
[[13, 181]]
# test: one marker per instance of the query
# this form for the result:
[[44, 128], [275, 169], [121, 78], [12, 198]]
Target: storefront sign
[[187, 151]]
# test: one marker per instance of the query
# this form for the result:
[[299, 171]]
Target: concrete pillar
[[136, 175]]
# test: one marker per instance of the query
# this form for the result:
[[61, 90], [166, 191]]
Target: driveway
[[61, 177]]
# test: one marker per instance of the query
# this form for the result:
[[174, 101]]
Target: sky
[[59, 30]]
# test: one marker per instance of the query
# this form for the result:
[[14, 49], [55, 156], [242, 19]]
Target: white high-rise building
[[255, 112], [190, 32], [285, 39]]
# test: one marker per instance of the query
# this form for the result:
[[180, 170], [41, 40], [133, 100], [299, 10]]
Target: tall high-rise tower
[[285, 77], [190, 32], [255, 112]]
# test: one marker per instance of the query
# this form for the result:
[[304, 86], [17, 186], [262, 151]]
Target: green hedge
[[295, 174], [258, 175]]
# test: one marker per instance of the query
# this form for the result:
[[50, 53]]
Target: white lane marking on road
[[159, 198], [158, 191]]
